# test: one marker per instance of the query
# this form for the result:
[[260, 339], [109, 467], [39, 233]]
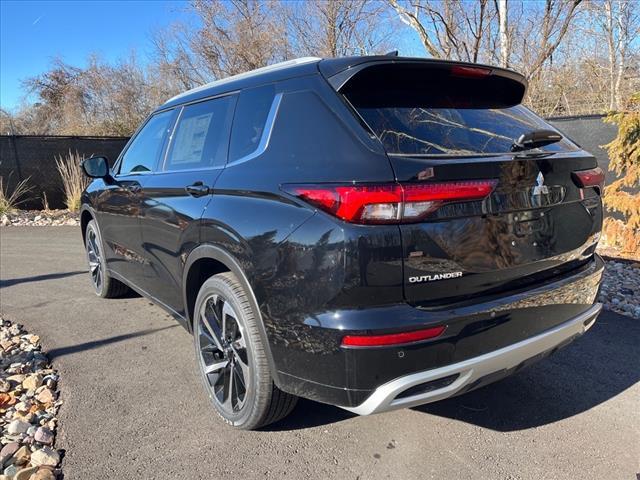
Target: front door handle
[[198, 189], [132, 186]]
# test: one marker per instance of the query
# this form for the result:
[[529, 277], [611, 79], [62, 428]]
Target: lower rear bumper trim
[[388, 396]]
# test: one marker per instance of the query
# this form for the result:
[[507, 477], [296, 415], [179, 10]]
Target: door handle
[[198, 189], [132, 186]]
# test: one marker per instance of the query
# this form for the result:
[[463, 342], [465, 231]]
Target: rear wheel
[[231, 357], [104, 285]]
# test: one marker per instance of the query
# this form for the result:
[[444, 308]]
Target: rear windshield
[[432, 113]]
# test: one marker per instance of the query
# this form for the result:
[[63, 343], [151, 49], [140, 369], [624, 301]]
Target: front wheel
[[231, 357], [104, 285]]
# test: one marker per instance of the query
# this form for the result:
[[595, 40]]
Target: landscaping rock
[[45, 456], [32, 382], [21, 456], [25, 473], [28, 407], [8, 451], [620, 290], [45, 396], [43, 474], [10, 471], [38, 218], [18, 426], [44, 435]]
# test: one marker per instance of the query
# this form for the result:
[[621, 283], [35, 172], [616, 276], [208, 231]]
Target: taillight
[[389, 203], [392, 338], [594, 177], [470, 72]]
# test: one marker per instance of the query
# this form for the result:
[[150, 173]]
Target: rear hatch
[[497, 220]]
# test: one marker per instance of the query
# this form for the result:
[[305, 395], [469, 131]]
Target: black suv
[[370, 232]]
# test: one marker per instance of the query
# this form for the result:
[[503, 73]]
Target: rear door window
[[201, 136], [431, 112], [250, 121]]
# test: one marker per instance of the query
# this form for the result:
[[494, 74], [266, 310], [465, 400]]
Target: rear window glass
[[431, 113], [201, 138]]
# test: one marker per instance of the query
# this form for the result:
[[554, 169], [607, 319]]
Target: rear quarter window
[[250, 120]]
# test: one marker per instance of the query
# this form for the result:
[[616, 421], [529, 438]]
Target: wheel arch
[[216, 260], [86, 215]]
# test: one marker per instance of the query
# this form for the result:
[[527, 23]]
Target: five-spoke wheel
[[104, 285], [223, 353], [231, 356], [93, 256]]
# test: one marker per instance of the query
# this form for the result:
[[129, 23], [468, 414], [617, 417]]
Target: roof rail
[[249, 74]]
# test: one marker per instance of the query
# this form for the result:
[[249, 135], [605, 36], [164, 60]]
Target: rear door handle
[[198, 189]]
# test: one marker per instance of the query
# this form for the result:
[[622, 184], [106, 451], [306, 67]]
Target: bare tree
[[460, 30], [101, 99], [542, 26], [505, 40], [616, 23], [230, 37], [450, 29], [334, 28]]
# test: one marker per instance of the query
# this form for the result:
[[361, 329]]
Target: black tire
[[103, 284], [237, 354]]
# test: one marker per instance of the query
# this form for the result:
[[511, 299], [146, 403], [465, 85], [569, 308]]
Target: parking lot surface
[[134, 408]]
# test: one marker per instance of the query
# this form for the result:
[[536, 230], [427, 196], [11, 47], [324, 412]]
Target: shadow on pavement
[[595, 368], [62, 351], [309, 414], [39, 278]]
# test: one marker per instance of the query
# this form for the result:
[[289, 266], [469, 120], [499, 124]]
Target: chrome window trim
[[163, 166], [266, 133]]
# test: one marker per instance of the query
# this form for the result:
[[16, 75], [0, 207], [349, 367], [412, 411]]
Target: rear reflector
[[392, 338], [389, 203], [593, 177]]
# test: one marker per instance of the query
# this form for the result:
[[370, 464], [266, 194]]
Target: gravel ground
[[621, 288], [134, 407], [39, 218], [28, 405]]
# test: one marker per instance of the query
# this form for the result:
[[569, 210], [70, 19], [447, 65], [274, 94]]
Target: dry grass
[[74, 180], [9, 201]]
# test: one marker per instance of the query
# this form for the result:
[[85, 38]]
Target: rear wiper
[[535, 139]]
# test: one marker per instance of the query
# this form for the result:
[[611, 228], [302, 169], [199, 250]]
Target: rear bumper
[[444, 382], [314, 365]]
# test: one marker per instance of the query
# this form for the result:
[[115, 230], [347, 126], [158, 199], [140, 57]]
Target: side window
[[142, 154], [201, 138], [250, 119]]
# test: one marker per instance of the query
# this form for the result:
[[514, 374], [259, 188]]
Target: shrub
[[74, 180], [10, 201], [624, 160]]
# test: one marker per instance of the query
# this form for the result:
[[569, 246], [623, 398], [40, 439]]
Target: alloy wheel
[[223, 354], [94, 258]]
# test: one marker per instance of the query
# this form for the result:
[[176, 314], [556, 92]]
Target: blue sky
[[32, 33]]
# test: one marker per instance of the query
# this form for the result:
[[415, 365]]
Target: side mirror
[[96, 167]]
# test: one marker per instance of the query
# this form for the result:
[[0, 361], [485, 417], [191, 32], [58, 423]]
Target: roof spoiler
[[339, 72]]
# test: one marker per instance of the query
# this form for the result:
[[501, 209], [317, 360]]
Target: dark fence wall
[[33, 157], [590, 132]]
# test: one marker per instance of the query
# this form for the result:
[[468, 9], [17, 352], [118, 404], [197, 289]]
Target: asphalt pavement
[[134, 408]]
